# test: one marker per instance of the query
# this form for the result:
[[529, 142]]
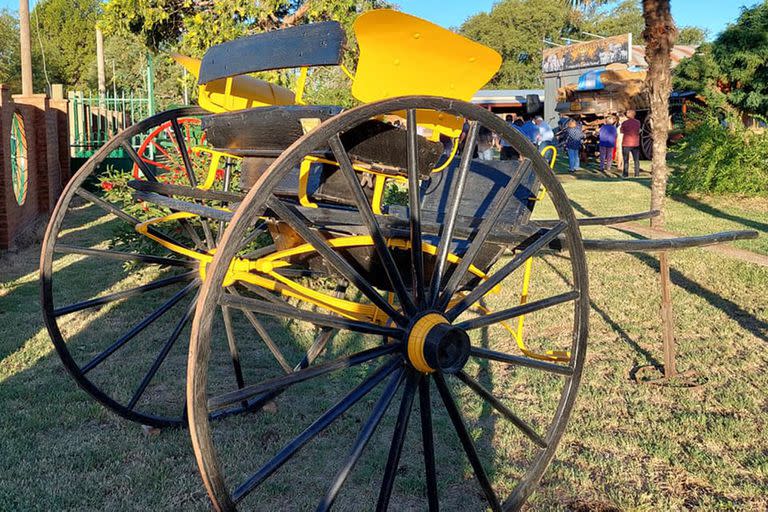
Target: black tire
[[225, 466]]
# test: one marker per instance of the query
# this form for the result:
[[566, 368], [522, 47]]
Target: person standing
[[546, 134], [630, 130], [530, 130], [607, 143], [573, 137], [506, 152]]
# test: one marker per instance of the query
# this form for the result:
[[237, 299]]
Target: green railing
[[94, 119]]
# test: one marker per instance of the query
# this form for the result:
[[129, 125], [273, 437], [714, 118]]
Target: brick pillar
[[60, 105], [6, 111], [44, 150]]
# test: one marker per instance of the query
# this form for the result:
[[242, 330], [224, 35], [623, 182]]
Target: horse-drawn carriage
[[329, 262]]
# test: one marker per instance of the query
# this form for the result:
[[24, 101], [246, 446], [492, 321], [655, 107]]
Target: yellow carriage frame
[[400, 55]]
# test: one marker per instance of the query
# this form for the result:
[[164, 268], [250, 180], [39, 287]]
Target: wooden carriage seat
[[255, 133], [485, 180]]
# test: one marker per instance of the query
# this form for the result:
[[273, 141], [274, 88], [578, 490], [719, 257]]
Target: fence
[[94, 119]]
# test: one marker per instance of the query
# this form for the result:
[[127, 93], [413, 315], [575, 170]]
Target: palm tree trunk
[[659, 34]]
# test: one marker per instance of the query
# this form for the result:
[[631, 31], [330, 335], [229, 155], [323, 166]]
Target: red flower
[[219, 174], [107, 185]]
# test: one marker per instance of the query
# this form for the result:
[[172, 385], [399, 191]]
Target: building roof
[[679, 52], [505, 96]]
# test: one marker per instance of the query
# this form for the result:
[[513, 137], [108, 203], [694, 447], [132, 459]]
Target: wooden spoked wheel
[[118, 303], [344, 431]]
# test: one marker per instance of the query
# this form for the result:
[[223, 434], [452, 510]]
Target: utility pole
[[100, 66], [26, 49]]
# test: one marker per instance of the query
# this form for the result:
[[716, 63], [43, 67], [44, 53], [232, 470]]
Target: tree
[[10, 63], [63, 34], [692, 36], [659, 35], [624, 17], [515, 29], [195, 25], [741, 52]]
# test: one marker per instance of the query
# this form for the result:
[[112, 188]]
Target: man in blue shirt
[[530, 130]]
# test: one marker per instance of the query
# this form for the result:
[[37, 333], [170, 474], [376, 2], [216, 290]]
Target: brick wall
[[45, 124]]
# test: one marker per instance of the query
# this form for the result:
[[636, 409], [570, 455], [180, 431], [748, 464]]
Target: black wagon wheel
[[118, 302], [335, 428], [646, 137]]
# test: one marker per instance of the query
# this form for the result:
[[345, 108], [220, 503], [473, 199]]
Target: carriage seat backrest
[[316, 44], [402, 55]]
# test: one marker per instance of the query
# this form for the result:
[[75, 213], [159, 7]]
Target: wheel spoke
[[114, 210], [182, 146], [489, 221], [124, 256], [285, 311], [234, 353], [123, 294], [503, 409], [425, 409], [125, 338], [484, 353], [362, 440], [487, 285], [516, 311], [282, 382], [449, 220], [414, 199], [162, 355], [314, 429], [297, 221], [107, 207], [466, 442], [364, 207], [398, 439], [141, 164]]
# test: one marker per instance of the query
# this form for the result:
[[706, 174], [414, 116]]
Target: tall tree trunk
[[659, 34]]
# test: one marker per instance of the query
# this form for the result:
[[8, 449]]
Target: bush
[[714, 158]]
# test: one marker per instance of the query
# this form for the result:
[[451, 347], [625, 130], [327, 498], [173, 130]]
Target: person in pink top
[[630, 130]]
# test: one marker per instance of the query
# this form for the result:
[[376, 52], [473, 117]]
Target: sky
[[713, 15]]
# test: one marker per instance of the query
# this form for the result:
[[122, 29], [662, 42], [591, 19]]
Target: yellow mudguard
[[402, 55], [236, 93]]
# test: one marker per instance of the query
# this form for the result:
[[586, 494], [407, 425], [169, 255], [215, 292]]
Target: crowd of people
[[618, 140]]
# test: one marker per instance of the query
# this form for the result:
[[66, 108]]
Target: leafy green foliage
[[732, 72], [690, 35], [624, 17], [64, 31], [742, 52], [720, 157], [10, 72], [515, 28]]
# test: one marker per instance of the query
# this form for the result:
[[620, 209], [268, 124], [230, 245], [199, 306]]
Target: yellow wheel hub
[[434, 344]]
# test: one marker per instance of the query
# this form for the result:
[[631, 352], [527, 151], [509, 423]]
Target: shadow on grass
[[745, 319], [716, 212], [623, 335]]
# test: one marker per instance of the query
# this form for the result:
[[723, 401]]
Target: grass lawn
[[628, 446]]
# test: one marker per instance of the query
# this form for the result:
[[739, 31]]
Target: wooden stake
[[667, 319], [26, 49]]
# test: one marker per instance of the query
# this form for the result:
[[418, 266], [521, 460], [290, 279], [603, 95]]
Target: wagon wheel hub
[[435, 345]]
